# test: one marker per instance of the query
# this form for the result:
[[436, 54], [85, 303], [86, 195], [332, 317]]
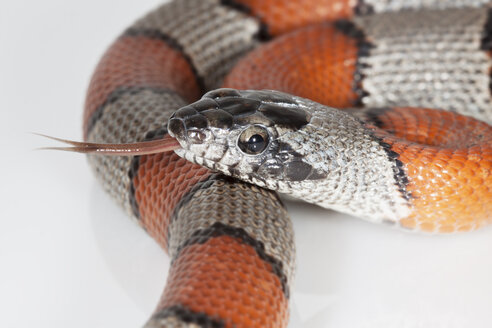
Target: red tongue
[[165, 144]]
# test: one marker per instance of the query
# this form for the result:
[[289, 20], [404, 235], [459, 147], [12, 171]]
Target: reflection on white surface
[[375, 276], [350, 273], [69, 257], [135, 261]]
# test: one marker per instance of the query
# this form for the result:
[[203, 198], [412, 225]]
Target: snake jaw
[[218, 130]]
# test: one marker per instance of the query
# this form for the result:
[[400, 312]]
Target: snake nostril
[[176, 128], [197, 136]]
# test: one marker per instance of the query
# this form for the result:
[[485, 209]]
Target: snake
[[328, 101]]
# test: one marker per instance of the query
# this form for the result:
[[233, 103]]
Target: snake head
[[250, 135]]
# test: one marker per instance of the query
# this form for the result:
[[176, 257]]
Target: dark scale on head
[[176, 127], [238, 106], [185, 112], [218, 118], [220, 93], [297, 170], [254, 107], [271, 97], [205, 104], [284, 116], [288, 165], [196, 121]]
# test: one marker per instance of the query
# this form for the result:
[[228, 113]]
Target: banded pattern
[[380, 61], [121, 68], [314, 159], [448, 164], [422, 169], [120, 122], [254, 218], [210, 35], [411, 61], [384, 60], [379, 6], [225, 267], [153, 69], [318, 62], [230, 243], [278, 19]]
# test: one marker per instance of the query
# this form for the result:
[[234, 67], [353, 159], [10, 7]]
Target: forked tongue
[[165, 144]]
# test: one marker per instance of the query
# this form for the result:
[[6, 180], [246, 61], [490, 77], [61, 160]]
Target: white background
[[70, 258]]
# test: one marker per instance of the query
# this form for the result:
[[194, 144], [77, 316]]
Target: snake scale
[[231, 243]]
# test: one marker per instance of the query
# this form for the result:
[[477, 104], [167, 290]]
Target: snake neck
[[356, 172]]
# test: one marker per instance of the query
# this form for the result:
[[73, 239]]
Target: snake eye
[[253, 140]]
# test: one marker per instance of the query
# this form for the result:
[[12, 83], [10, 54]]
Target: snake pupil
[[256, 143], [253, 140]]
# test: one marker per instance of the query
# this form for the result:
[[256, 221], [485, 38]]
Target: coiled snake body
[[230, 242]]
